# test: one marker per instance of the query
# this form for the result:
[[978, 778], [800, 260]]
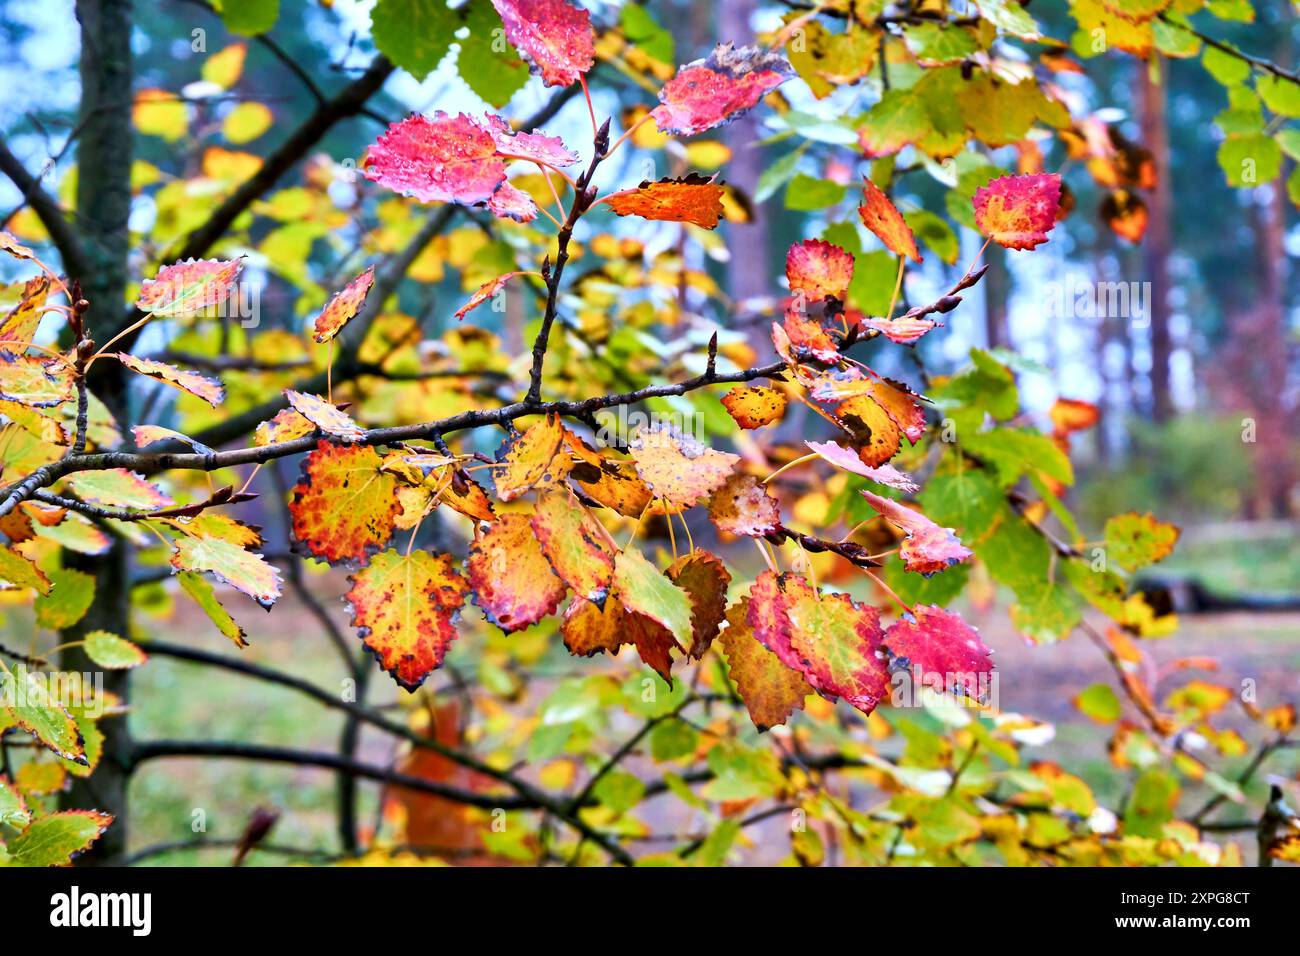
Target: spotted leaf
[[511, 578], [717, 89], [1019, 211], [677, 467], [343, 508], [343, 307], [691, 198], [945, 652], [189, 287]]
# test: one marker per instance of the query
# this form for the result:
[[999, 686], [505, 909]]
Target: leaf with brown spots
[[511, 579], [575, 544], [590, 630], [612, 482], [344, 506], [208, 389], [743, 506], [677, 467], [526, 458], [704, 578], [345, 304], [324, 415], [692, 198], [286, 425], [1135, 540], [404, 607], [877, 436], [754, 406], [771, 690], [828, 638], [927, 548], [883, 218]]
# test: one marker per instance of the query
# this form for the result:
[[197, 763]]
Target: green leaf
[[488, 64], [1012, 452], [641, 28], [1151, 804], [1135, 540], [619, 790], [414, 34], [806, 193], [1280, 95], [673, 739], [1045, 611], [873, 281], [67, 601], [939, 43], [1224, 67], [935, 233], [26, 698], [1250, 160], [713, 851], [13, 811], [248, 17], [778, 174], [1099, 702], [112, 652], [200, 589], [55, 839], [640, 588]]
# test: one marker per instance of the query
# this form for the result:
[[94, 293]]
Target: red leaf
[[554, 36], [189, 287], [942, 647], [715, 90], [802, 338], [440, 159], [819, 269], [927, 547], [511, 202], [534, 147], [828, 638], [1018, 211]]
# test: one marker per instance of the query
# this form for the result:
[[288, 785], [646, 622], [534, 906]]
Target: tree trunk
[[104, 151], [749, 274], [1158, 240]]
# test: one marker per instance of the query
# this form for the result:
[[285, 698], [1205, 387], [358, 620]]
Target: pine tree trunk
[[104, 151]]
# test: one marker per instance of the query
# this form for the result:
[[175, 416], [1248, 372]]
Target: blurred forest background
[[1198, 389]]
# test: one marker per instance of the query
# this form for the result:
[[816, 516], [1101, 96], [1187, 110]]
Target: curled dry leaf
[[771, 690], [927, 548], [743, 506], [715, 90], [343, 307], [486, 291], [692, 198], [575, 544], [819, 269], [526, 459], [324, 416], [511, 579], [1018, 212], [189, 287], [945, 652], [882, 217], [753, 406], [678, 468], [404, 607], [554, 36], [831, 640], [200, 386], [344, 506], [589, 630]]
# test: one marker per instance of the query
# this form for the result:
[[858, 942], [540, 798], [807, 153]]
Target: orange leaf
[[754, 406], [512, 581], [678, 468], [343, 508], [883, 218], [404, 608], [324, 415], [527, 457], [189, 287], [208, 389], [704, 578], [692, 198], [819, 269], [345, 304], [771, 690]]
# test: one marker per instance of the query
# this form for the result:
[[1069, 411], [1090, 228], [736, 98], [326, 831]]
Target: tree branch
[[48, 211]]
